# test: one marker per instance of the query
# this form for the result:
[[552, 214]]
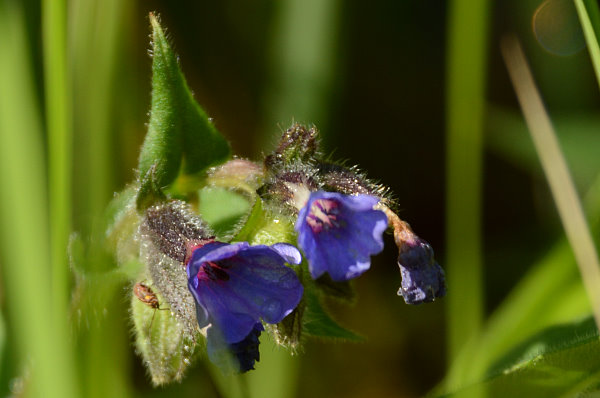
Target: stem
[[303, 61], [58, 114], [589, 15], [467, 46], [40, 337], [556, 170]]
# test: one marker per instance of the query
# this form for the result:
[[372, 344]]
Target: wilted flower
[[339, 233], [422, 277], [236, 285]]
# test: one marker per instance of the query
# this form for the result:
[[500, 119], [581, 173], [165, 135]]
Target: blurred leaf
[[178, 129], [222, 208], [560, 361], [550, 292], [578, 134], [318, 323]]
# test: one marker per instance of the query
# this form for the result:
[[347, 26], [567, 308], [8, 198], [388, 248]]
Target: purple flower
[[339, 233], [245, 352], [422, 278], [236, 285]]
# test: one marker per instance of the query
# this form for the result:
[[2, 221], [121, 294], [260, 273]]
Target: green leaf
[[561, 361], [550, 293], [318, 323], [179, 130], [222, 209]]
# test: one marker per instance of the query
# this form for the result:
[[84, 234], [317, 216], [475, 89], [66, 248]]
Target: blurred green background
[[415, 92]]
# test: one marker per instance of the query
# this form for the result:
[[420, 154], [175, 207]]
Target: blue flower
[[245, 352], [236, 285], [339, 233], [422, 278]]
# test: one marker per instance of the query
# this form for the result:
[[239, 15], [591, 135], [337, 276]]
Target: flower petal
[[339, 233], [289, 252], [252, 282]]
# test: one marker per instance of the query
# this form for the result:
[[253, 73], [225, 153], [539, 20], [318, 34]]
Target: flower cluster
[[337, 220], [310, 227]]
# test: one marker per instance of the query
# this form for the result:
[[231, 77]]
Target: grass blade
[[303, 63], [95, 38], [556, 170], [589, 15], [468, 36], [60, 147], [24, 234]]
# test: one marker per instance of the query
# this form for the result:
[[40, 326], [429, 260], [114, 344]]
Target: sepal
[[161, 340]]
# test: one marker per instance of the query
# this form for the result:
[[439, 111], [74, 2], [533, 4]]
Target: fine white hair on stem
[[556, 170]]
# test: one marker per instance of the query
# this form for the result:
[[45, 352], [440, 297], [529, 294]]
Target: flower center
[[213, 271], [323, 215]]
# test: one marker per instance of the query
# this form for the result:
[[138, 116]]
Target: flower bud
[[160, 338], [297, 144], [168, 234], [423, 279]]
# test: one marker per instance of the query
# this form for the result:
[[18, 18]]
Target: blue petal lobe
[[353, 233], [252, 282]]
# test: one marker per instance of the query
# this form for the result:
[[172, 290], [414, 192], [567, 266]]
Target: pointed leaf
[[563, 360], [179, 130]]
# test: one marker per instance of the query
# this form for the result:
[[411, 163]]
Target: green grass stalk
[[536, 302], [95, 44], [555, 167], [302, 66], [589, 16], [465, 107], [24, 235], [60, 147]]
